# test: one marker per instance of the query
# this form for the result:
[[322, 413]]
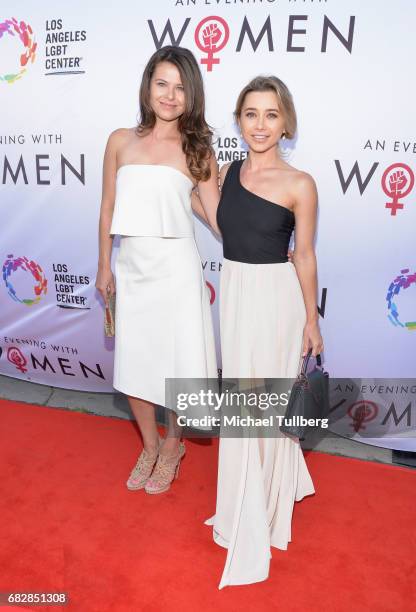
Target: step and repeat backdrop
[[69, 76]]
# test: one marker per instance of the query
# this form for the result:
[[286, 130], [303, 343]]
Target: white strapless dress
[[163, 314]]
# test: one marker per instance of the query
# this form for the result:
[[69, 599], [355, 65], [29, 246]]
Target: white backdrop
[[68, 77]]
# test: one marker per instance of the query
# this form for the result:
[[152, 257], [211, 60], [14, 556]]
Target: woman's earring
[[283, 135]]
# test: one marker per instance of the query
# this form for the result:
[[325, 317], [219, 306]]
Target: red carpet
[[69, 524]]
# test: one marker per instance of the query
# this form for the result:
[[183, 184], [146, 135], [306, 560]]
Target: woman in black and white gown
[[269, 319]]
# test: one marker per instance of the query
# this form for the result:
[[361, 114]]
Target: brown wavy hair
[[195, 132], [272, 83]]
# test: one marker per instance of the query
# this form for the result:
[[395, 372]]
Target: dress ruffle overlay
[[259, 479], [163, 314]]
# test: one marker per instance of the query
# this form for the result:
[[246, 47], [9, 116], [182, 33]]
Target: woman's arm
[[195, 200], [105, 280], [209, 194], [197, 206], [304, 259]]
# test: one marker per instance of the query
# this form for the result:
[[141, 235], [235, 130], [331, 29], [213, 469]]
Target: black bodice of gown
[[254, 230]]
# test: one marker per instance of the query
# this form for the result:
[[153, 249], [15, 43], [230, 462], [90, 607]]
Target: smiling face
[[261, 120], [167, 95]]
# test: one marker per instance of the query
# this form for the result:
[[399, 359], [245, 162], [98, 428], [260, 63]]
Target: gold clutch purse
[[110, 315]]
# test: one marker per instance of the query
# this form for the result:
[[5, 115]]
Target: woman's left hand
[[312, 339]]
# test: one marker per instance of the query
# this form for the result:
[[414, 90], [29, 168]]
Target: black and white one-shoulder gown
[[262, 316]]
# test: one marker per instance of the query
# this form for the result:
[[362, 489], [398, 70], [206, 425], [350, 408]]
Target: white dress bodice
[[152, 200]]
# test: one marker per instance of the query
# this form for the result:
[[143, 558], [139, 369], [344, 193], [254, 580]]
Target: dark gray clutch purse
[[309, 398]]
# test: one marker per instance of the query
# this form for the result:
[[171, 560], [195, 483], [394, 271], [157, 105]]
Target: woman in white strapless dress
[[163, 318]]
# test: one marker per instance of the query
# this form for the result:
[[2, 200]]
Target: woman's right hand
[[105, 282]]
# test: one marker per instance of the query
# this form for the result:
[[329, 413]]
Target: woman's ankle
[[170, 446], [152, 446]]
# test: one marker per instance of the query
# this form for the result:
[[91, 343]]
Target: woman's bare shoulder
[[303, 188], [299, 179], [223, 172], [121, 135], [303, 181]]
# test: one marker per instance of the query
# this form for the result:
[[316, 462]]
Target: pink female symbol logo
[[397, 182], [16, 357], [361, 412], [211, 293], [211, 35]]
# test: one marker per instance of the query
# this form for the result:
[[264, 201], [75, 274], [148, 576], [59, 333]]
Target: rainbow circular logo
[[25, 54], [401, 282], [23, 263]]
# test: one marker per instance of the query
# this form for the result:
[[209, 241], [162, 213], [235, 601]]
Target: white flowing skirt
[[163, 316], [262, 320]]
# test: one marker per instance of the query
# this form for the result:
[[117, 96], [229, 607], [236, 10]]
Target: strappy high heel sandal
[[142, 470], [165, 470]]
